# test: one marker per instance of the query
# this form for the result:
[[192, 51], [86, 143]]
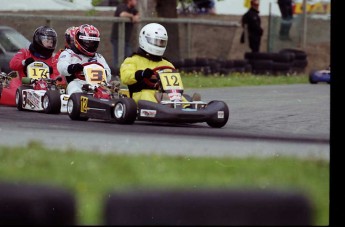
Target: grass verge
[[238, 79], [92, 176]]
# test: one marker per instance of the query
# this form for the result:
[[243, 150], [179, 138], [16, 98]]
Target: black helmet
[[44, 41]]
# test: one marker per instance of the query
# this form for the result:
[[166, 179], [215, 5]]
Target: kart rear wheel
[[73, 108], [19, 98], [221, 117], [125, 111], [52, 102]]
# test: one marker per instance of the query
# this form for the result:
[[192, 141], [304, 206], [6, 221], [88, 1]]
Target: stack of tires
[[209, 66], [299, 62], [284, 62]]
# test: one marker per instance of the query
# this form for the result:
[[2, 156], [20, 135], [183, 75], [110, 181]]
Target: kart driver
[[153, 39], [84, 50], [41, 49], [69, 40]]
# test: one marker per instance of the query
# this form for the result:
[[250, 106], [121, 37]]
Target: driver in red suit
[[41, 49]]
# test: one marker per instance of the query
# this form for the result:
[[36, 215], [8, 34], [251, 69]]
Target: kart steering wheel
[[92, 62], [153, 82]]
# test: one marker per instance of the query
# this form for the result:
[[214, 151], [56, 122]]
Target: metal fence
[[316, 31], [194, 41]]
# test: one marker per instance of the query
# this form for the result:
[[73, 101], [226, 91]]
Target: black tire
[[125, 111], [216, 122], [201, 62], [240, 63], [188, 62], [311, 78], [299, 54], [262, 64], [51, 102], [258, 56], [228, 64], [284, 57], [73, 108], [19, 98], [300, 63]]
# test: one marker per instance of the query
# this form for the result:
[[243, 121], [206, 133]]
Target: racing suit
[[16, 64], [129, 75], [69, 57]]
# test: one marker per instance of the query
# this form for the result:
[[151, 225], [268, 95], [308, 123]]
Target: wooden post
[[121, 42]]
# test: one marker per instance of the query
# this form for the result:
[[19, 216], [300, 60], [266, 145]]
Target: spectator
[[251, 22], [286, 11], [126, 9], [207, 5]]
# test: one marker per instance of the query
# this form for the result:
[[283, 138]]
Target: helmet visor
[[48, 41], [90, 43], [157, 42]]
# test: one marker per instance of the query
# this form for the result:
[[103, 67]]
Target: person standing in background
[[127, 10], [285, 7], [251, 22]]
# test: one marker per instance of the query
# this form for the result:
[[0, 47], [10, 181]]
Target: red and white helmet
[[86, 39], [69, 36]]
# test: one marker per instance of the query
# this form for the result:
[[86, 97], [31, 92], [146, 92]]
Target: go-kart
[[172, 109], [317, 76], [39, 92], [100, 99], [5, 80]]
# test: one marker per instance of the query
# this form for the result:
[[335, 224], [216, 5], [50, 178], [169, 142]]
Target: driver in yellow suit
[[153, 39]]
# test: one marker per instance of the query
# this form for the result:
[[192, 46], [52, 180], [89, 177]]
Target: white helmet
[[153, 38]]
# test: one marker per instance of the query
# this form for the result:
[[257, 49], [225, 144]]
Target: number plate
[[171, 81], [38, 70], [83, 104], [94, 74]]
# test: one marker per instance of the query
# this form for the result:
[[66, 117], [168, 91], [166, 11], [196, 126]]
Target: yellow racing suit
[[130, 75]]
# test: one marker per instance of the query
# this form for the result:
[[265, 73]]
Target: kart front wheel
[[52, 102], [73, 108], [221, 115], [19, 98], [125, 111]]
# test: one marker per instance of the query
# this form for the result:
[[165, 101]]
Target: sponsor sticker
[[175, 97], [31, 98], [36, 64], [83, 104], [148, 113], [220, 114]]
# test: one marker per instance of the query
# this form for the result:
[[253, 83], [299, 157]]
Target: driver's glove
[[140, 74], [74, 68], [27, 61]]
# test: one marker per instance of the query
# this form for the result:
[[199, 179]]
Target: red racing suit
[[16, 64]]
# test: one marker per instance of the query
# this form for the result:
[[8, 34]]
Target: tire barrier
[[212, 207], [24, 204], [284, 62]]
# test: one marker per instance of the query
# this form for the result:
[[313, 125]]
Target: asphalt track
[[284, 120]]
